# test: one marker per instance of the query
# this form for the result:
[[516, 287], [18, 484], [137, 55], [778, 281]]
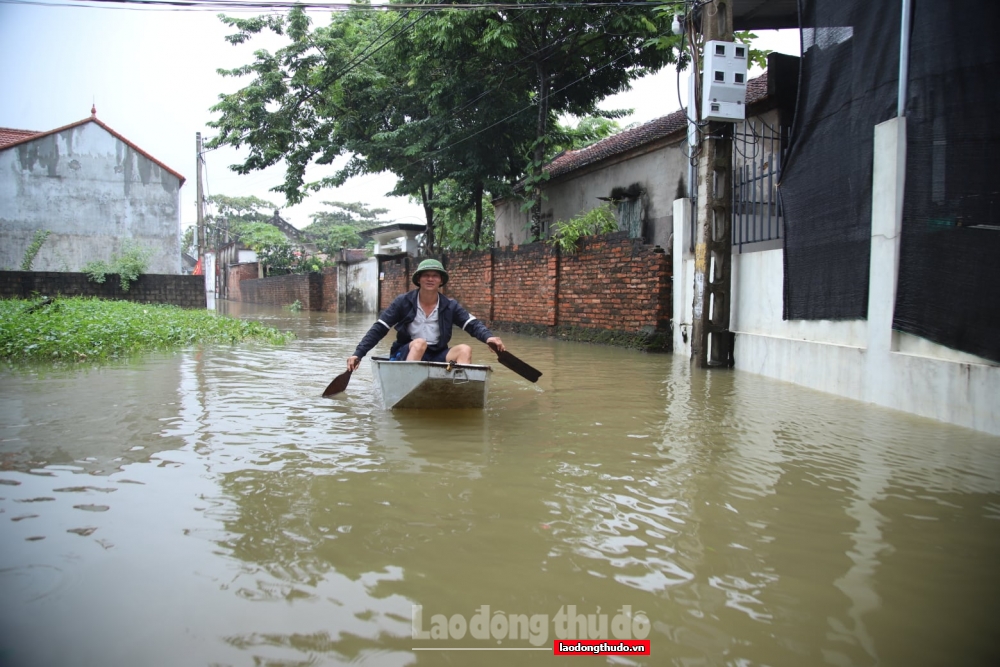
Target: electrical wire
[[189, 5], [249, 5]]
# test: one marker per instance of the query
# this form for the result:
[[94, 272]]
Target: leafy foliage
[[456, 219], [188, 241], [341, 227], [80, 329], [129, 264], [222, 226], [430, 96], [567, 233], [588, 130], [273, 248], [32, 251], [755, 57]]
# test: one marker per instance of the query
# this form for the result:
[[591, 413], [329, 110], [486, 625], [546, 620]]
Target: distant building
[[91, 189]]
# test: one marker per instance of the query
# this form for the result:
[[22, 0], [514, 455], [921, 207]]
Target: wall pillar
[[888, 180], [683, 278]]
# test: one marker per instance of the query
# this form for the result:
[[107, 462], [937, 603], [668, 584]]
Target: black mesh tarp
[[848, 84], [949, 270]]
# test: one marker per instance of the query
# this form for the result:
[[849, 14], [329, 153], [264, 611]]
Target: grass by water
[[86, 329]]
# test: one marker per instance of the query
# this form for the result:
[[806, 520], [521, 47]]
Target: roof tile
[[9, 135], [10, 138]]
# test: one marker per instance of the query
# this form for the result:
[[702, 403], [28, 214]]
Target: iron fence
[[758, 150]]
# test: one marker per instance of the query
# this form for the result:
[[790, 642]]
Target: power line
[[264, 5]]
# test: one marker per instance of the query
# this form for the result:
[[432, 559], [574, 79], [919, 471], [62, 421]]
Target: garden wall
[[178, 290], [613, 290], [315, 291], [235, 275]]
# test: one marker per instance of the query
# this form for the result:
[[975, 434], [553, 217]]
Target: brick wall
[[237, 273], [615, 282], [613, 289], [328, 294], [525, 284], [177, 290], [284, 290], [470, 281], [396, 274]]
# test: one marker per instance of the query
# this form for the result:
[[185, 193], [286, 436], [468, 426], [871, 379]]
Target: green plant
[[83, 329], [36, 245], [295, 306], [129, 265], [566, 233]]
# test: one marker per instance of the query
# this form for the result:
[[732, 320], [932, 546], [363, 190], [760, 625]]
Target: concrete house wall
[[92, 190], [660, 168], [860, 359], [653, 154]]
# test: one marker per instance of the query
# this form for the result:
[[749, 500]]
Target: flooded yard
[[208, 507]]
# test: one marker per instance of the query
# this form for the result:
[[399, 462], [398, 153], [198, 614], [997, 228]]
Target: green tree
[[571, 59], [588, 130], [340, 228], [429, 96], [188, 240], [461, 226], [274, 250], [223, 225]]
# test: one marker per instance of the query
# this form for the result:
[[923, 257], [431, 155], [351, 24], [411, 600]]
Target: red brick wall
[[470, 281], [315, 291], [525, 284], [236, 274], [283, 290], [615, 282], [395, 280], [328, 292], [611, 283]]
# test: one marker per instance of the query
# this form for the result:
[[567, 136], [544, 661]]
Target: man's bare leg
[[460, 354], [417, 348]]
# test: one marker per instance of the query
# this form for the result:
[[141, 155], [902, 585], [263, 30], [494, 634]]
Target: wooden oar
[[521, 368], [338, 385]]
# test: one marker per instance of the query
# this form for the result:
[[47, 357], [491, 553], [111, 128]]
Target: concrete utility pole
[[200, 204], [711, 338]]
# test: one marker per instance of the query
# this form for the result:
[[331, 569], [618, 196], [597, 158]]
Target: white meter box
[[724, 81]]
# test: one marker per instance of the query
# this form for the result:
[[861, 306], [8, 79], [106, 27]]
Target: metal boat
[[430, 384]]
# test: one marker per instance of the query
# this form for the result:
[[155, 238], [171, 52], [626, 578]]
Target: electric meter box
[[724, 81]]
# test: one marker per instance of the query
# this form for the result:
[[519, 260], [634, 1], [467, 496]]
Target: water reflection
[[752, 522]]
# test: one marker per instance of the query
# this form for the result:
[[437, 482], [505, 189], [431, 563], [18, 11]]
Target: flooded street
[[208, 507]]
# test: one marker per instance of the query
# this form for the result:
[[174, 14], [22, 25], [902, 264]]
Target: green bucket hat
[[430, 265]]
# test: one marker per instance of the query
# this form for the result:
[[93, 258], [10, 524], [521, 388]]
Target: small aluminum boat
[[430, 384]]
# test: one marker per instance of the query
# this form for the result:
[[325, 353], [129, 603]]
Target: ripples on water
[[208, 507]]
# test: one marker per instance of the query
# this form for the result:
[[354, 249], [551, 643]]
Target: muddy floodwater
[[208, 507]]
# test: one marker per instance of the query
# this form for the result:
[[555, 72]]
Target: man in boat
[[423, 319]]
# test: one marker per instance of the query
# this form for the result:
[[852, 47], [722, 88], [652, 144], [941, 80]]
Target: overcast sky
[[152, 76]]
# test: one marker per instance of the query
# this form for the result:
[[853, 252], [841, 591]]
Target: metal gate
[[758, 151]]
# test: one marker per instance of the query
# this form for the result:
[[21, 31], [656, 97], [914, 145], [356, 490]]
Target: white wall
[[658, 170], [865, 359], [358, 287], [91, 191]]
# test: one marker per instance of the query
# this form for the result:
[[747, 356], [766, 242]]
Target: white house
[[91, 189]]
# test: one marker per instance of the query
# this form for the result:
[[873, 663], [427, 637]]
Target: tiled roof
[[9, 135], [26, 136], [623, 142]]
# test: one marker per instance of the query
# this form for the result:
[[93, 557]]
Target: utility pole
[[711, 339], [200, 204]]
